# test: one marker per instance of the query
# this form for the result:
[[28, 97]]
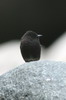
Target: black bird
[[30, 46]]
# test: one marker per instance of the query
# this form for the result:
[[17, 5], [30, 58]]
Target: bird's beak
[[39, 35]]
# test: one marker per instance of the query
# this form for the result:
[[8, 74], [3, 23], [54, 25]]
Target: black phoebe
[[30, 46]]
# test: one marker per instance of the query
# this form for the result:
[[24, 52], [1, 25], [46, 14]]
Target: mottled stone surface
[[39, 80]]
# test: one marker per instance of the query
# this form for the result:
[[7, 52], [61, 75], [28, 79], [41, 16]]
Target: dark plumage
[[30, 46]]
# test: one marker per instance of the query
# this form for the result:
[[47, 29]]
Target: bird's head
[[32, 34]]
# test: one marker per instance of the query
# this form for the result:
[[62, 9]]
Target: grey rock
[[38, 80]]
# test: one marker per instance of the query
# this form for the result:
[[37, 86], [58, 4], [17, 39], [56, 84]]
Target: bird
[[30, 46]]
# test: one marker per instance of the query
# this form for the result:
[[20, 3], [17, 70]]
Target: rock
[[39, 80]]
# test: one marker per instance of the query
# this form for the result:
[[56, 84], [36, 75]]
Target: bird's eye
[[37, 36]]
